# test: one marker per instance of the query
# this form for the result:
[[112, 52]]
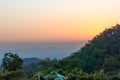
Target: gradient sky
[[56, 20]]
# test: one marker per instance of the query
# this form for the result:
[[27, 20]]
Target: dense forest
[[98, 59]]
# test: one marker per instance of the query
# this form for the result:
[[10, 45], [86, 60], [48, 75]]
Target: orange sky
[[56, 20]]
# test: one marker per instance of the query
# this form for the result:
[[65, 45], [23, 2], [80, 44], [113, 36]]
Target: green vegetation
[[11, 67], [99, 59]]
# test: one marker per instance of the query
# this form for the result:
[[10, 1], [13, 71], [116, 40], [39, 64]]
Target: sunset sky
[[56, 20]]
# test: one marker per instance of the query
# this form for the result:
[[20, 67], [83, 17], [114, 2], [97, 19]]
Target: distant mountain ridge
[[27, 61]]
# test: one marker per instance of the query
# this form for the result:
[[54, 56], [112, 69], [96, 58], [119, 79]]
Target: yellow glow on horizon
[[56, 20]]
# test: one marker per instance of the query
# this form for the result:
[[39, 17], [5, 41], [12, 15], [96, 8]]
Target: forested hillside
[[102, 52]]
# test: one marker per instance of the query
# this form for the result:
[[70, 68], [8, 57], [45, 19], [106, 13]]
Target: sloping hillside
[[102, 52]]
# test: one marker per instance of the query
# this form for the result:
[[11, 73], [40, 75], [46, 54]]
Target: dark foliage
[[11, 62]]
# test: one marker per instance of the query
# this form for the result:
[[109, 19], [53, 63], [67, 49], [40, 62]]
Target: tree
[[12, 62], [12, 67]]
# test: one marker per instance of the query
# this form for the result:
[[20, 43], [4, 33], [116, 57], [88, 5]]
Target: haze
[[41, 50]]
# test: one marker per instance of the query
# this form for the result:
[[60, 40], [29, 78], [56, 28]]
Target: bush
[[13, 75]]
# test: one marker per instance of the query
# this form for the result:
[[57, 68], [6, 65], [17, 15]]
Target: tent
[[54, 76]]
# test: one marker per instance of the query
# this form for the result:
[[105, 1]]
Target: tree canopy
[[11, 62]]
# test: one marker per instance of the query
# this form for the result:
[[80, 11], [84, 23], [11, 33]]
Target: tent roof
[[53, 73]]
